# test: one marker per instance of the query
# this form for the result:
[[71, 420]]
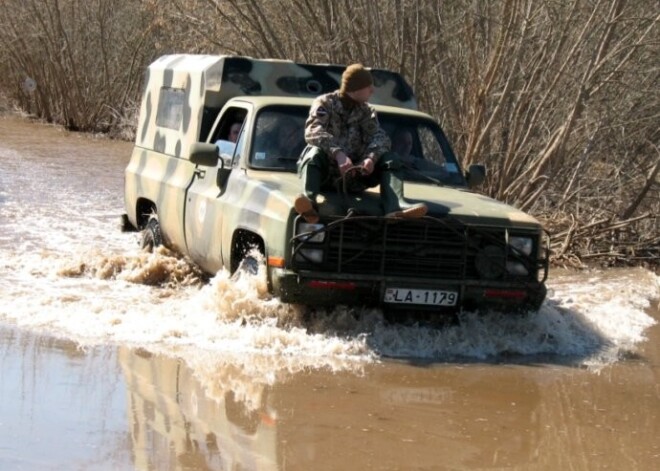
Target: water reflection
[[61, 407], [174, 418], [106, 408], [392, 416]]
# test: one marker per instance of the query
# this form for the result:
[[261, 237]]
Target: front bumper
[[319, 289]]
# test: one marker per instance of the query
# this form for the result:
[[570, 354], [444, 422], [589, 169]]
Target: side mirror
[[225, 160], [226, 151], [475, 175], [223, 171], [204, 154]]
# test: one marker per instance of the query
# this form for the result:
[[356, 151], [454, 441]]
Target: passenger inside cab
[[279, 138]]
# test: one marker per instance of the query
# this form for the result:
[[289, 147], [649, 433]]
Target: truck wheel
[[151, 236], [125, 224], [248, 266]]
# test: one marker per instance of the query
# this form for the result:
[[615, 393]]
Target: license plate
[[428, 297]]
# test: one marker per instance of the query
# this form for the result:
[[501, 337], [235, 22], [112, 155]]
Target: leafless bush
[[76, 62], [560, 99]]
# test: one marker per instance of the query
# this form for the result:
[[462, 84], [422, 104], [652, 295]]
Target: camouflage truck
[[190, 187]]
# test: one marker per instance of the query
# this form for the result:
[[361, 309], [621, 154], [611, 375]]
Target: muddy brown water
[[113, 359]]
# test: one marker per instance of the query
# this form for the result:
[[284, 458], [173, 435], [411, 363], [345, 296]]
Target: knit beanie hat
[[354, 78]]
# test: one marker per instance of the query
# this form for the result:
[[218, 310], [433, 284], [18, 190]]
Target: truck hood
[[466, 206]]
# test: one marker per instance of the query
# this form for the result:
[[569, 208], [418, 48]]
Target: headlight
[[516, 269], [310, 255], [523, 245], [305, 227]]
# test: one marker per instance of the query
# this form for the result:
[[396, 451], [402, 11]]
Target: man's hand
[[344, 162], [367, 166]]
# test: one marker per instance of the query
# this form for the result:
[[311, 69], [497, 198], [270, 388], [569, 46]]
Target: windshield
[[423, 149], [279, 139]]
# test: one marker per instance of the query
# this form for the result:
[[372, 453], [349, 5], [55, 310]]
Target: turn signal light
[[276, 262]]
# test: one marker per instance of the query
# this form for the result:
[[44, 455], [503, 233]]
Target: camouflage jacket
[[334, 124]]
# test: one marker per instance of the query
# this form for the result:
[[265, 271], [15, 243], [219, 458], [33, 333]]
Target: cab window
[[279, 137]]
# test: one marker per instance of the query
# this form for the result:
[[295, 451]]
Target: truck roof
[[238, 75], [184, 92]]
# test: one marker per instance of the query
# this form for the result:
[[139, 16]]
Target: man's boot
[[391, 196], [305, 203]]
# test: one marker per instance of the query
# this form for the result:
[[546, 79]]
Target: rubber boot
[[391, 197], [311, 180], [305, 203]]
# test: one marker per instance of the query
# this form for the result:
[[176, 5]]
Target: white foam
[[99, 299]]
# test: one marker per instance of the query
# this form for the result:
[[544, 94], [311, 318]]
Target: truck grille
[[428, 248]]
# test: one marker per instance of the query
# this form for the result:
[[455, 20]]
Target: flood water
[[114, 359]]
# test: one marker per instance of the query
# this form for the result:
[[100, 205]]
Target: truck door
[[205, 196]]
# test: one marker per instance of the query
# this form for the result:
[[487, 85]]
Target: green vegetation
[[560, 99]]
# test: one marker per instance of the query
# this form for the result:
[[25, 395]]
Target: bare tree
[[86, 58], [559, 99]]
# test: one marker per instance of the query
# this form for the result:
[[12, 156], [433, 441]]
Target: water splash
[[161, 302]]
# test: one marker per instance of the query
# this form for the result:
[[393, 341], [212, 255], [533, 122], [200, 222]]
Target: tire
[[248, 266], [151, 235], [125, 225]]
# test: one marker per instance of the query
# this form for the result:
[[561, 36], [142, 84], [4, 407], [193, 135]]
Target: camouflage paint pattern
[[206, 212], [161, 180], [209, 81]]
